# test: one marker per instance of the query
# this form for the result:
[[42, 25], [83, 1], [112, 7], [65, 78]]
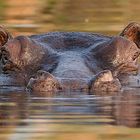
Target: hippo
[[73, 61]]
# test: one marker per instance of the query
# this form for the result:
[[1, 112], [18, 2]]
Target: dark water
[[71, 115]]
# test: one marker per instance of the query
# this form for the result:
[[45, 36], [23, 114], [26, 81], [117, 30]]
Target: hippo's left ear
[[132, 32], [4, 36]]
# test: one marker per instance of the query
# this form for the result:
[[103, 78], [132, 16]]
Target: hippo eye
[[40, 73], [135, 55], [4, 56]]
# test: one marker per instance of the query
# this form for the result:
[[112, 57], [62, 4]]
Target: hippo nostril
[[47, 82], [104, 81]]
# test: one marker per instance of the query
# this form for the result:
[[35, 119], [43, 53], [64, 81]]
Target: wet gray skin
[[71, 60]]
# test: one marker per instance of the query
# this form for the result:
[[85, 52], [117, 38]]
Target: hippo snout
[[103, 81], [44, 81], [74, 84]]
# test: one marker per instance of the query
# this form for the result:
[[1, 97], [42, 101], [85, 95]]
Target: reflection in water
[[126, 111], [68, 116], [33, 116]]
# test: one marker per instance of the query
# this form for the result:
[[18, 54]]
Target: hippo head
[[82, 61]]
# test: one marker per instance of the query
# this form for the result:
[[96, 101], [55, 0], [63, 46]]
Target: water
[[67, 116], [71, 115]]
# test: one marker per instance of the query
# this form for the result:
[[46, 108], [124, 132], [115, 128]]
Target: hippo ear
[[132, 32], [4, 36]]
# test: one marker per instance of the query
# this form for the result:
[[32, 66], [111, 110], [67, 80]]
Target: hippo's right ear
[[132, 32], [4, 36]]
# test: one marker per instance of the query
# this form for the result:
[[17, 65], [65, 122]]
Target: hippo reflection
[[71, 60]]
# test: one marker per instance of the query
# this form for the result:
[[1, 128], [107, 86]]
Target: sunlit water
[[68, 115]]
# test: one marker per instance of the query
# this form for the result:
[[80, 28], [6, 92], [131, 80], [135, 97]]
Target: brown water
[[68, 116]]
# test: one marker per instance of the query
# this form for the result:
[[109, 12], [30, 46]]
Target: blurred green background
[[37, 16]]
